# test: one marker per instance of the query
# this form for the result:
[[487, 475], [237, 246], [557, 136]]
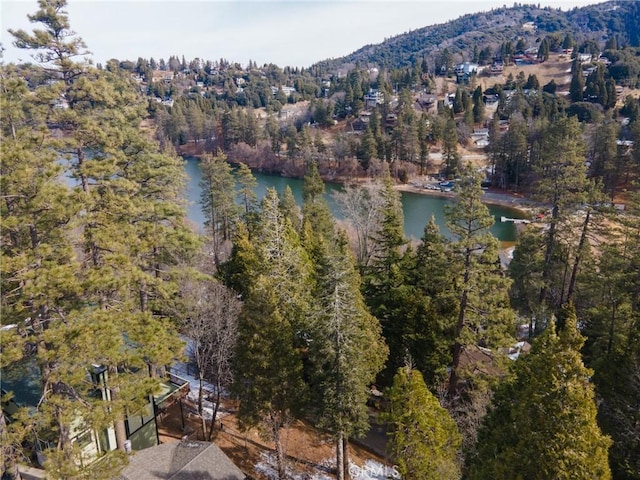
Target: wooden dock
[[514, 220]]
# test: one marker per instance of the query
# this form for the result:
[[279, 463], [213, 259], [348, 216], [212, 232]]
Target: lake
[[417, 208]]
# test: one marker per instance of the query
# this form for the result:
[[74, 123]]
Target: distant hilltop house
[[286, 90], [373, 98], [584, 57], [465, 70], [162, 75], [24, 381], [427, 100], [496, 69]]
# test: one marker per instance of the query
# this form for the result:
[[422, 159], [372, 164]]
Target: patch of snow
[[183, 371], [371, 470]]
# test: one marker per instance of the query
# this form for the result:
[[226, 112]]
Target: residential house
[[496, 69], [286, 90], [23, 379], [427, 100], [391, 120], [584, 57], [480, 137], [465, 70], [186, 459], [361, 123], [373, 98]]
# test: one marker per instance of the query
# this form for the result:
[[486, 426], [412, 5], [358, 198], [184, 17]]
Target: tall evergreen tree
[[218, 200], [478, 105], [423, 438], [576, 87], [484, 314], [268, 367], [108, 243], [450, 155], [560, 183], [543, 422], [247, 184], [384, 278], [432, 307], [346, 349]]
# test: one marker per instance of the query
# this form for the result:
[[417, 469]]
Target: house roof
[[184, 460]]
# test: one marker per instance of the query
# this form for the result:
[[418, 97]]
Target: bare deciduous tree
[[211, 324], [362, 206]]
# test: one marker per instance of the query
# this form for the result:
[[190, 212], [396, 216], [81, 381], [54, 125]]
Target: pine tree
[[432, 309], [576, 88], [98, 253], [346, 348], [478, 105], [268, 367], [218, 200], [423, 438], [290, 208], [543, 422], [560, 183], [315, 211], [247, 184], [484, 314], [609, 306], [383, 279], [450, 153]]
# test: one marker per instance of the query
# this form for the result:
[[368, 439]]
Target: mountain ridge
[[594, 22]]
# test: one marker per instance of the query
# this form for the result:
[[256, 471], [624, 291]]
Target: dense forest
[[526, 371]]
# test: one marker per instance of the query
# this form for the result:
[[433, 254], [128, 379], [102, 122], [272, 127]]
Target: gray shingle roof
[[182, 460]]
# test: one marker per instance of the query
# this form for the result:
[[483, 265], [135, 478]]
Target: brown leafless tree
[[210, 323]]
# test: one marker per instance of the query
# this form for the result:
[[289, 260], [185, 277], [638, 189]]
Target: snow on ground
[[184, 371], [371, 470]]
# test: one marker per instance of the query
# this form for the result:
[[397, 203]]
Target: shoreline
[[519, 203]]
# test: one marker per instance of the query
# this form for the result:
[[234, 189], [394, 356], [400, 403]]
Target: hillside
[[495, 27]]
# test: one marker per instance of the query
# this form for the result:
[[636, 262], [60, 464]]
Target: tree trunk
[[118, 424], [548, 254], [200, 407], [576, 262], [280, 460], [612, 328], [215, 408], [339, 458], [83, 177], [345, 457], [457, 348]]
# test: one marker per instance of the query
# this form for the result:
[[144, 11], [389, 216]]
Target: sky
[[294, 33]]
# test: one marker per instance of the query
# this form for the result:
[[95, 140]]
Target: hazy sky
[[296, 33]]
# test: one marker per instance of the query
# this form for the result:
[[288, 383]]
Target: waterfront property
[[24, 382]]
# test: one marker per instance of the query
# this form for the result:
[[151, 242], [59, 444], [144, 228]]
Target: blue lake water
[[417, 208]]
